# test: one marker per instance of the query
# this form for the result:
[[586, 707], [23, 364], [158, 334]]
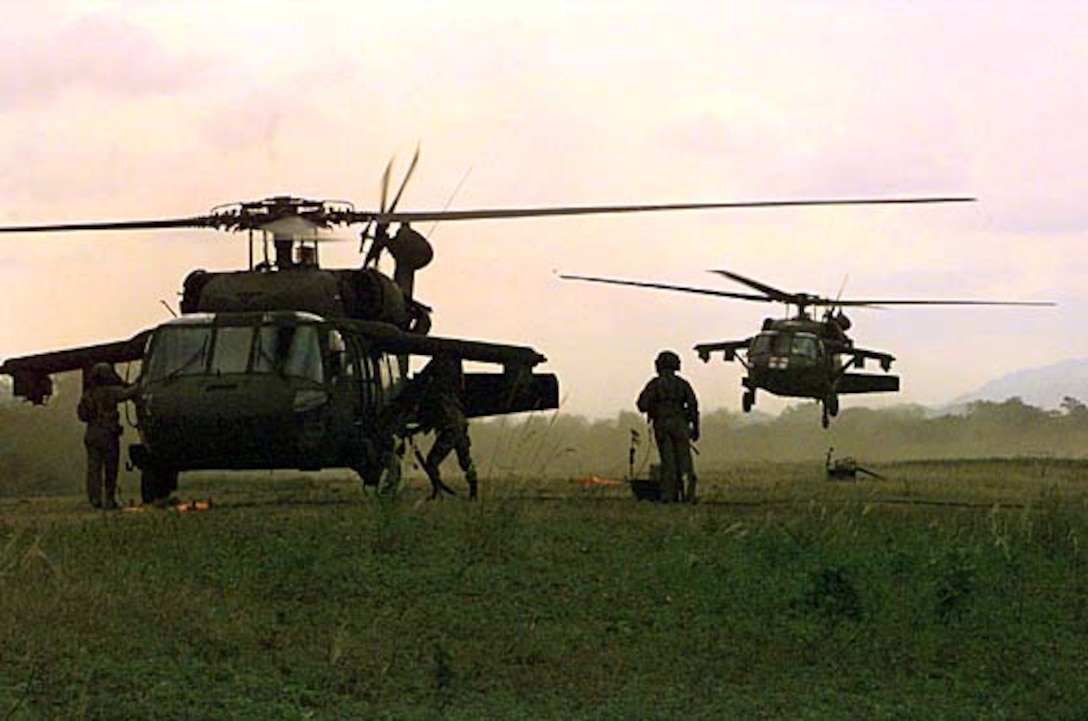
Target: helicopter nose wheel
[[157, 483], [748, 400]]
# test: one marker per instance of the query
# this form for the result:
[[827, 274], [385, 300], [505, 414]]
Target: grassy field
[[947, 591]]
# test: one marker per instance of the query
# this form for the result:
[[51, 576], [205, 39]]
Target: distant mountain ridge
[[1041, 386]]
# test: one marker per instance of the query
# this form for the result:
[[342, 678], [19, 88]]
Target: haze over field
[[115, 110], [41, 449]]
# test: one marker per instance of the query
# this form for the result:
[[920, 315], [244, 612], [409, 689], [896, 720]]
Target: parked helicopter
[[290, 365], [801, 356]]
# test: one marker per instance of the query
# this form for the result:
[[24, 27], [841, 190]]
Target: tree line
[[41, 449], [572, 446]]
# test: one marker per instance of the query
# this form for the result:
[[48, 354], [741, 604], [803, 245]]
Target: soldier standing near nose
[[102, 438]]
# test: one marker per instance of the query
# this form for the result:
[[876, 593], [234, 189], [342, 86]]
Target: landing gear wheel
[[832, 404], [156, 484], [825, 418], [748, 400]]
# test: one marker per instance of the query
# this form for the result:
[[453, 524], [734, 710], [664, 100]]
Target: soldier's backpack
[[86, 408]]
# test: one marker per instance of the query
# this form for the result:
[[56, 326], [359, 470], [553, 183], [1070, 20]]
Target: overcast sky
[[156, 108]]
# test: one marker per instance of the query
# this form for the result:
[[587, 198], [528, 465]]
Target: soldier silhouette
[[436, 397], [673, 410], [102, 438]]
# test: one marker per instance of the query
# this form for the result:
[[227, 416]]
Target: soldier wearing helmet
[[443, 411], [102, 438], [436, 398], [673, 409]]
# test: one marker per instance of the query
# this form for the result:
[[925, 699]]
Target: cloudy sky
[[157, 108]]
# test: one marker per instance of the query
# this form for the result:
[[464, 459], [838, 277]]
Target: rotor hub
[[255, 214]]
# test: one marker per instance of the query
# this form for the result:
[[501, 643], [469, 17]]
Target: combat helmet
[[667, 361], [102, 374]]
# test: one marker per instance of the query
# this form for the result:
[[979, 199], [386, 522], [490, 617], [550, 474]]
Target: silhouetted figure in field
[[673, 409]]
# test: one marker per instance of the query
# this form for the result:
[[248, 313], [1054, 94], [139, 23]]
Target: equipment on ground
[[847, 468]]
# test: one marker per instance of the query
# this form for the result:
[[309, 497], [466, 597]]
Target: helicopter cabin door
[[350, 378]]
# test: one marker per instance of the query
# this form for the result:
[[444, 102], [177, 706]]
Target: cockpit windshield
[[805, 345], [179, 351], [231, 353], [776, 343], [292, 350]]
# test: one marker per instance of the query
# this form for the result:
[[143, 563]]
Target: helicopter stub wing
[[866, 382], [860, 355], [728, 349], [514, 390], [31, 373], [391, 339]]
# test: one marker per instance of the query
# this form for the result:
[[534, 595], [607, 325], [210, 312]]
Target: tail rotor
[[377, 231]]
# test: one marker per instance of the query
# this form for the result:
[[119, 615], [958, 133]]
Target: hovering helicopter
[[801, 356], [290, 365]]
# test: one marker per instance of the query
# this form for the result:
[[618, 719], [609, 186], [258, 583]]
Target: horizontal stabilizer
[[868, 383], [491, 394], [31, 373]]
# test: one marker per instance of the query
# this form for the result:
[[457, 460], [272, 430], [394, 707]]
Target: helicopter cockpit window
[[231, 353], [179, 351], [805, 346], [292, 350], [782, 344], [772, 343], [762, 344]]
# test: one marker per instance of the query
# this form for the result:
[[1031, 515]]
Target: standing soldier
[[440, 408], [102, 439], [673, 410]]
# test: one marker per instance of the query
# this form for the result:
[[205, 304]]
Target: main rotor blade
[[815, 300], [666, 286], [770, 291], [245, 217], [497, 213], [880, 302], [194, 222]]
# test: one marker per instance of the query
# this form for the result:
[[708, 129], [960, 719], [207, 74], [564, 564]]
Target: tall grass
[[826, 605]]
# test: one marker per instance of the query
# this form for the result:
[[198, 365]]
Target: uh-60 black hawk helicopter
[[290, 365], [801, 356]]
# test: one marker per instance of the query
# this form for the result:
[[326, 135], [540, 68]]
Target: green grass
[[783, 596]]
